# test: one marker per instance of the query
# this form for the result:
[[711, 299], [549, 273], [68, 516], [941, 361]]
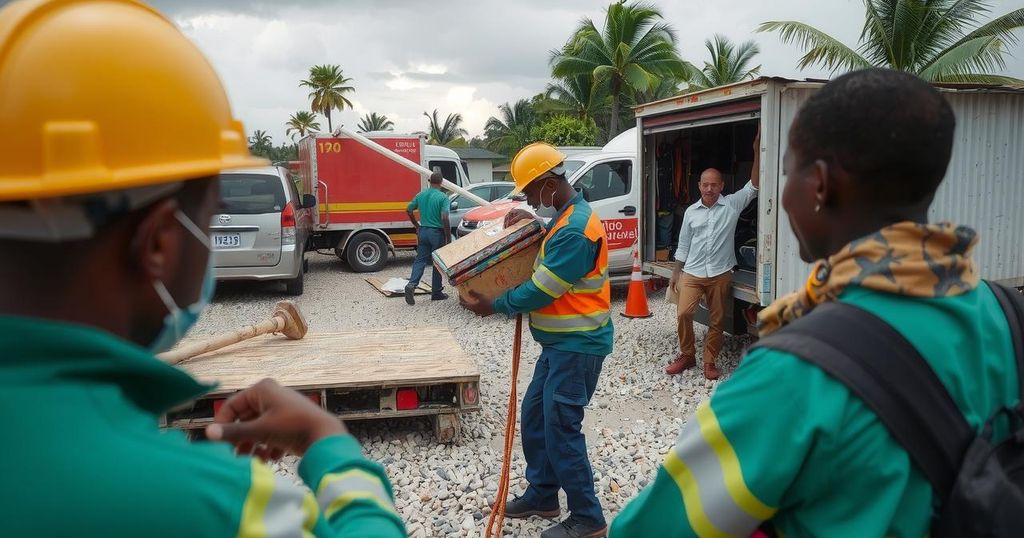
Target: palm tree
[[375, 122], [633, 52], [578, 96], [301, 123], [447, 132], [728, 63], [327, 86], [938, 40], [513, 130], [259, 140]]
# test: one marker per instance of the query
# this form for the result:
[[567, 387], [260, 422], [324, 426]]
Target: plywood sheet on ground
[[378, 284], [363, 358]]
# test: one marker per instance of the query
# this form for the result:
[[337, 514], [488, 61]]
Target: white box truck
[[681, 136]]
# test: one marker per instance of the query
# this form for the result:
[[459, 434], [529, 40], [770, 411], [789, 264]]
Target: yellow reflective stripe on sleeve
[[687, 485], [255, 507], [311, 510], [540, 285], [734, 483], [338, 490]]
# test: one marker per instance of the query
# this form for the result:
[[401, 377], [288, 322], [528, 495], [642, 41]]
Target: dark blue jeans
[[553, 441], [427, 241]]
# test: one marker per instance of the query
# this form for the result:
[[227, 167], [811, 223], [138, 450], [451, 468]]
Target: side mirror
[[454, 206], [308, 201], [520, 197]]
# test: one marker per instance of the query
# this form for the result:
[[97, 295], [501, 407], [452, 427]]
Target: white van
[[606, 179]]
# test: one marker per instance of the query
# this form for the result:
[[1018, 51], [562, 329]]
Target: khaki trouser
[[716, 291]]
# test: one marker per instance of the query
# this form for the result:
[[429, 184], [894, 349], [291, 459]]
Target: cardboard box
[[492, 259], [498, 278], [661, 255]]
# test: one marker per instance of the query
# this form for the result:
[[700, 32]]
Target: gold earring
[[817, 208]]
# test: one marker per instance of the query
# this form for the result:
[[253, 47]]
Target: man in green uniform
[[107, 185], [432, 232], [784, 442]]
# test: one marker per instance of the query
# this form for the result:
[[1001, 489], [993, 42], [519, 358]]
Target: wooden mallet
[[287, 320]]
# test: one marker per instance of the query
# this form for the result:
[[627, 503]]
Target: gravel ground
[[446, 490]]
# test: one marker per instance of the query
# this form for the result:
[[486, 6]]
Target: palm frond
[[820, 48]]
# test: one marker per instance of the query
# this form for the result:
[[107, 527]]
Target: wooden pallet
[[350, 359]]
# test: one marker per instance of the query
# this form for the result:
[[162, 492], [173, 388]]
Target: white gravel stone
[[447, 490]]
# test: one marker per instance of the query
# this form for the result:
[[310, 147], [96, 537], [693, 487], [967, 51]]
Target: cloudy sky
[[466, 56]]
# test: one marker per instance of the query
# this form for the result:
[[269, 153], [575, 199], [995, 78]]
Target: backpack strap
[[1013, 307], [887, 373]]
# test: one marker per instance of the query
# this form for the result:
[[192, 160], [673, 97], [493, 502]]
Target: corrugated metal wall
[[983, 188]]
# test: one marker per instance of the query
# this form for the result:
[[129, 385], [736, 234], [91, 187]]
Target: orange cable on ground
[[496, 521]]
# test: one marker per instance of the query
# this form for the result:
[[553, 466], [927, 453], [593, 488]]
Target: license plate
[[227, 240]]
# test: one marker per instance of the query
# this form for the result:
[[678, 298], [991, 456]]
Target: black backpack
[[978, 484]]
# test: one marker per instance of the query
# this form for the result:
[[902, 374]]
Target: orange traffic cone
[[636, 298]]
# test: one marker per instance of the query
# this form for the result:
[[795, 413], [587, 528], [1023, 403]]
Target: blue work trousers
[[427, 241], [553, 441]]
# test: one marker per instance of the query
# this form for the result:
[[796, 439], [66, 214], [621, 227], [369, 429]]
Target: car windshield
[[251, 194]]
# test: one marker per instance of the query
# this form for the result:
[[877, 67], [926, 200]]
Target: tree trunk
[[330, 129], [613, 118]]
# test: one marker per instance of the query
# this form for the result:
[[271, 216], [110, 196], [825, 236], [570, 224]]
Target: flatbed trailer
[[359, 374]]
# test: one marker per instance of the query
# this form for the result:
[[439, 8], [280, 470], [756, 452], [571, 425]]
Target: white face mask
[[179, 320], [547, 210]]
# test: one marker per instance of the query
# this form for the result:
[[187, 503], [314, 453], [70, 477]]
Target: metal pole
[[415, 167]]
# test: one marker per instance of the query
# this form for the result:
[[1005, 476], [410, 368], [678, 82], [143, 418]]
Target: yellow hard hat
[[103, 95], [532, 162]]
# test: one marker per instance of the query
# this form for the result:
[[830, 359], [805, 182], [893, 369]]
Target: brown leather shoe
[[711, 372], [682, 362]]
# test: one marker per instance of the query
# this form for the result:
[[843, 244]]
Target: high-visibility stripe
[[733, 474], [688, 488], [569, 322], [338, 490], [706, 471], [276, 508], [262, 487], [403, 237], [549, 282]]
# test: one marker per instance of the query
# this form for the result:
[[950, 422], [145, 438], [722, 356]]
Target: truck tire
[[366, 252]]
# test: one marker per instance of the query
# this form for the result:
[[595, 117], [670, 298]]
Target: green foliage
[[729, 64], [566, 131], [633, 52], [375, 122], [938, 40], [301, 124], [513, 130], [446, 132], [327, 86]]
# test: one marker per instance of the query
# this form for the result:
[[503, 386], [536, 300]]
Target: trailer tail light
[[217, 404], [288, 224], [407, 399], [313, 397], [469, 394]]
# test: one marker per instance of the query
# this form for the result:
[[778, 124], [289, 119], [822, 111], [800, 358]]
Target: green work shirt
[[782, 440], [83, 455], [432, 204]]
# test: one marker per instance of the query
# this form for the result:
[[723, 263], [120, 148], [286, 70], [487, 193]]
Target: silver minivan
[[263, 227]]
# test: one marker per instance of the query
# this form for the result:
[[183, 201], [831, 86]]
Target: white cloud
[[456, 56]]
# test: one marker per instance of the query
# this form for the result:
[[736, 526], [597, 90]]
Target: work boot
[[409, 291], [682, 362], [711, 372], [439, 297], [573, 528], [520, 508]]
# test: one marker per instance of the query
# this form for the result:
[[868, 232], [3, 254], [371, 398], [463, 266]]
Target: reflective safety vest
[[584, 305]]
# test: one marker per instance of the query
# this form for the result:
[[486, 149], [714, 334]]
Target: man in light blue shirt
[[704, 260]]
